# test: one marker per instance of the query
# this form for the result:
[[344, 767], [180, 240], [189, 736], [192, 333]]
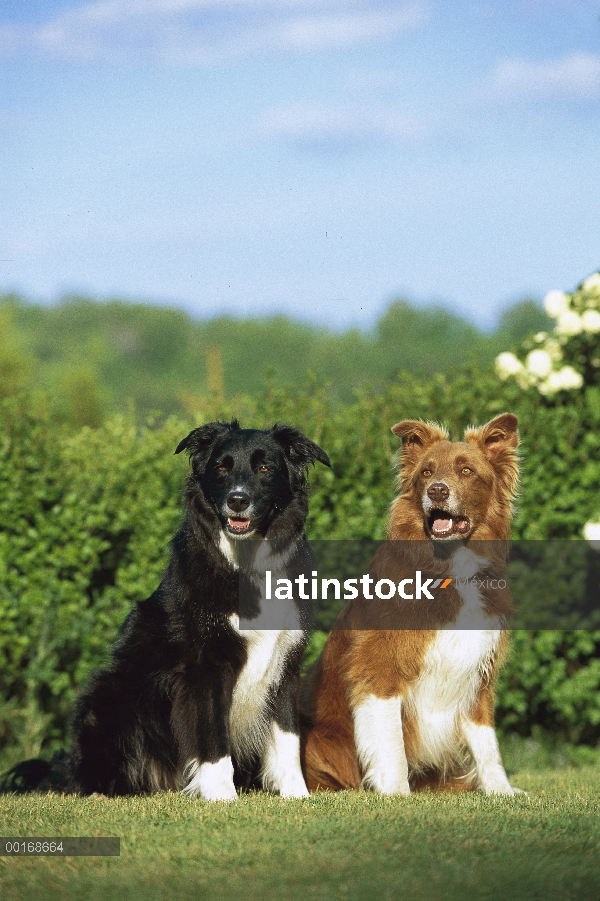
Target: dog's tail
[[38, 775]]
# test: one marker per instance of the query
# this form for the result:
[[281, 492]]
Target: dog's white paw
[[212, 781], [281, 771], [294, 788], [380, 745], [299, 790], [483, 744], [499, 785], [386, 784]]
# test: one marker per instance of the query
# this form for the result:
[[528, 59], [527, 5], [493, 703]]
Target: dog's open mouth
[[239, 526], [443, 524]]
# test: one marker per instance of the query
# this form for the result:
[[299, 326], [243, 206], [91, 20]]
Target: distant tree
[[96, 358], [16, 365], [521, 320]]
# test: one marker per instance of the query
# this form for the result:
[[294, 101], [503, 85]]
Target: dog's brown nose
[[438, 492]]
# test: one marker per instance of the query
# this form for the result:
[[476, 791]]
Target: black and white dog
[[189, 700]]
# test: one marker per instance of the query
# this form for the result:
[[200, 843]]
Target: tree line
[[86, 359]]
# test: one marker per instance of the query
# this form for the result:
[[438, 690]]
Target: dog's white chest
[[446, 690], [249, 717], [453, 667]]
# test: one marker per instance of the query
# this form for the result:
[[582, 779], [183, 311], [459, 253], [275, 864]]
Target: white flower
[[565, 379], [540, 337], [569, 323], [591, 321], [592, 284], [591, 533], [571, 379], [507, 364], [539, 363], [555, 303]]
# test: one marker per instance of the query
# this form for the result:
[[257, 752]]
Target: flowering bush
[[567, 358]]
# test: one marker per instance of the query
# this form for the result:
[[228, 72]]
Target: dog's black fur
[[178, 704]]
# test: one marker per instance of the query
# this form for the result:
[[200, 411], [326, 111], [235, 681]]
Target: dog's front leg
[[281, 771], [380, 745], [200, 721], [483, 745], [480, 737], [210, 781]]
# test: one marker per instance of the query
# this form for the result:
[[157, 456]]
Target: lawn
[[352, 845]]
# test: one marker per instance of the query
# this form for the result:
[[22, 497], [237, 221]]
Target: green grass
[[350, 845]]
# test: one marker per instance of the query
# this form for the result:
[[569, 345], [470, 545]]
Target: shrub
[[85, 521], [85, 525], [551, 681]]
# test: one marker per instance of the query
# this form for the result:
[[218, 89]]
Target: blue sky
[[313, 157]]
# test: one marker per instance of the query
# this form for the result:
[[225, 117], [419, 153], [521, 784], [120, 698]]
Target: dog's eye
[[221, 467], [466, 471], [263, 468], [426, 473]]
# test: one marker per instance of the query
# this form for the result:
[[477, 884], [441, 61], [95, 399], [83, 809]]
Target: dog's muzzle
[[444, 524], [238, 509]]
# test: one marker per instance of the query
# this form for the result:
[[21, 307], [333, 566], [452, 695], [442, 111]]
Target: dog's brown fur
[[379, 651]]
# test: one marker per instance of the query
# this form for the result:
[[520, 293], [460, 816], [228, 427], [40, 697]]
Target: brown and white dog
[[404, 687]]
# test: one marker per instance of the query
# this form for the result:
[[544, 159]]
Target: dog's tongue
[[447, 526], [238, 524], [441, 526]]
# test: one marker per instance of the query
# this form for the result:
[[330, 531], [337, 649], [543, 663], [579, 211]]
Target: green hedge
[[85, 521]]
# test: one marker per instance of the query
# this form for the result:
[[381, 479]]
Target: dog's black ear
[[200, 440], [298, 448]]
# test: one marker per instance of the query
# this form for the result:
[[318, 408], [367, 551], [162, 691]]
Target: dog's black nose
[[438, 492], [238, 501]]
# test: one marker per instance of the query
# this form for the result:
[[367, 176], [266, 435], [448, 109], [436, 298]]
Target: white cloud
[[576, 75], [198, 32], [323, 126], [319, 32]]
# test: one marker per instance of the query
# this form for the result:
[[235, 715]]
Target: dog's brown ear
[[499, 439], [497, 435], [417, 435]]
